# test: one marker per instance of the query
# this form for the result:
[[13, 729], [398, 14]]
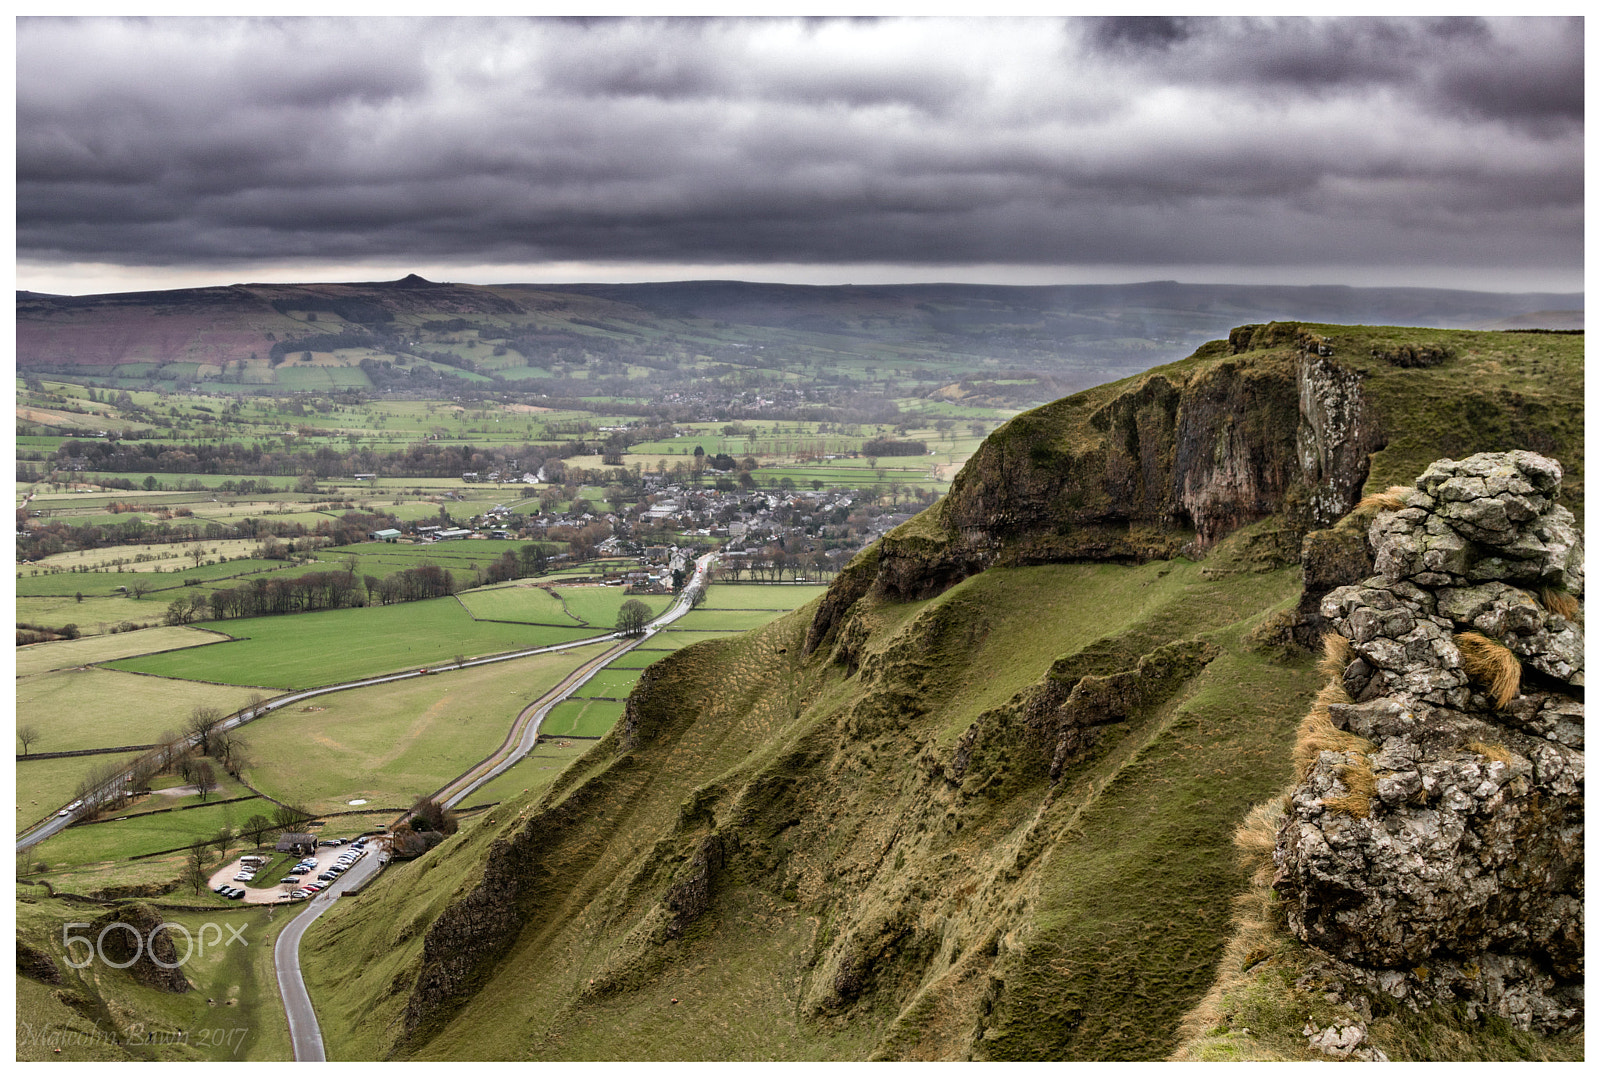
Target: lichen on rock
[[1445, 864]]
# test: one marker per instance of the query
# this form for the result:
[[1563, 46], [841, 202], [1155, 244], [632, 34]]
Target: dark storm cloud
[[921, 142]]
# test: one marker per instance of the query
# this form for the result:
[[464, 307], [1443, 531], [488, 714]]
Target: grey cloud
[[923, 141]]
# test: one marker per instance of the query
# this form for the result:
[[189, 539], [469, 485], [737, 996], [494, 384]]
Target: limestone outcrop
[[1433, 848]]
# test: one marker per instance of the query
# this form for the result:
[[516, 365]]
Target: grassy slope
[[747, 978], [233, 1013]]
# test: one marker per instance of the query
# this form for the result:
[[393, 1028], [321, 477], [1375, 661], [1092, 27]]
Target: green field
[[390, 743], [611, 681], [581, 718], [65, 654], [532, 772], [719, 620], [135, 834], [103, 708], [332, 646], [520, 602], [756, 596]]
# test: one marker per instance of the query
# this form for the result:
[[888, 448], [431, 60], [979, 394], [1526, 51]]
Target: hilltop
[[978, 801]]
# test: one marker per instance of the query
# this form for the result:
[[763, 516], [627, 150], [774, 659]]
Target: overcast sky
[[171, 152]]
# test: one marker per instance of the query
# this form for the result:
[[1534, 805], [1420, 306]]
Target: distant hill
[[263, 336]]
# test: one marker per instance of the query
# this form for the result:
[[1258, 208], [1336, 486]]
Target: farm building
[[298, 844], [388, 534]]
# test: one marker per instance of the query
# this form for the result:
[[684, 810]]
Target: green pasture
[[714, 620], [598, 605], [93, 616], [64, 654], [611, 681], [328, 647], [88, 843], [388, 744], [520, 602], [756, 596], [581, 718], [103, 583], [91, 707], [532, 772]]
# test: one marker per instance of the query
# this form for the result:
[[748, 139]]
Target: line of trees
[[310, 591]]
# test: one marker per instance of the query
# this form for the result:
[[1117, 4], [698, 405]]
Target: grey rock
[[1445, 863]]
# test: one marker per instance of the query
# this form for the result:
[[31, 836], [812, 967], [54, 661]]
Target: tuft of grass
[[1560, 603], [1360, 787], [1490, 664], [1391, 500], [1337, 653], [1318, 734], [1492, 752]]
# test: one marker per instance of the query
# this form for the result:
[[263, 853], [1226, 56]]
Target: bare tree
[[223, 842], [26, 735], [194, 867], [204, 779], [255, 826], [201, 725]]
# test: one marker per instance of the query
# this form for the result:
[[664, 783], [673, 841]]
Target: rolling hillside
[[978, 800]]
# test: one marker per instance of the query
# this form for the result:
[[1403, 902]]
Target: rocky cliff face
[[1267, 423], [1434, 845]]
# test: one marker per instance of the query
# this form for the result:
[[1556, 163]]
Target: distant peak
[[411, 280]]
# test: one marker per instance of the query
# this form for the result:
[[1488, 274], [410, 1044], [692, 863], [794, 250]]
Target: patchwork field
[[311, 649], [758, 596]]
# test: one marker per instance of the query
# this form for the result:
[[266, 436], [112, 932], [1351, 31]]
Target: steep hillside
[[977, 801]]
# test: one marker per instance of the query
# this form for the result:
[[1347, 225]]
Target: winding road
[[305, 1034]]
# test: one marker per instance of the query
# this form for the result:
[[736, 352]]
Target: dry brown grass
[[1318, 734], [1490, 664], [1337, 653], [1492, 752], [1560, 603], [1360, 787], [1391, 500], [1257, 836]]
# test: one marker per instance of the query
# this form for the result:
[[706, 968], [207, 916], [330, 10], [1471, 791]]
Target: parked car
[[237, 894], [331, 842], [300, 893]]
